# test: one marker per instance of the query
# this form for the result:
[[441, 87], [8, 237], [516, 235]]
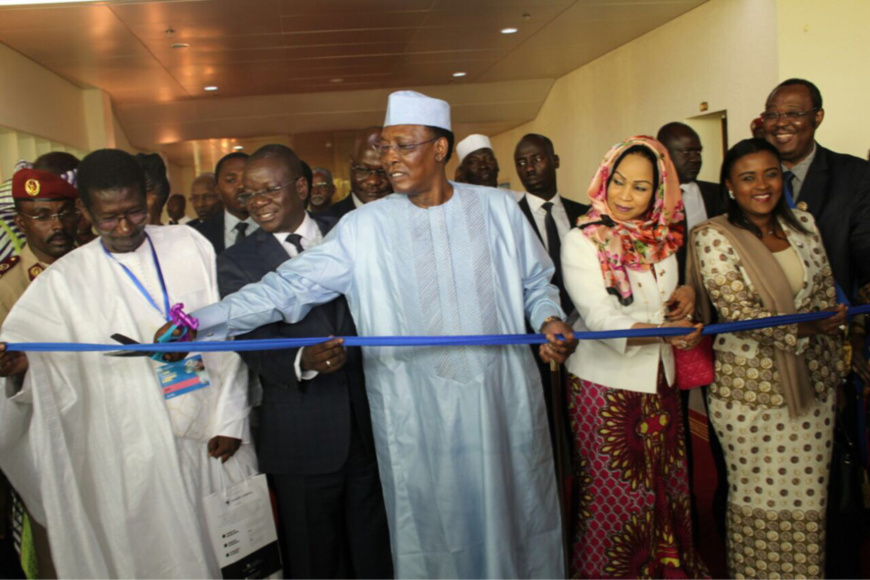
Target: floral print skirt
[[633, 517]]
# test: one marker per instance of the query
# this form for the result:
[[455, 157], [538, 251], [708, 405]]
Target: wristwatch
[[547, 321]]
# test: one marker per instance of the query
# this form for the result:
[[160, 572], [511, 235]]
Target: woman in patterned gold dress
[[772, 401], [620, 269]]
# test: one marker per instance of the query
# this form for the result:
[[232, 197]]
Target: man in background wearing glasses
[[368, 180], [46, 214]]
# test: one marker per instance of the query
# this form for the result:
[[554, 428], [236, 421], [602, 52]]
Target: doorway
[[712, 128]]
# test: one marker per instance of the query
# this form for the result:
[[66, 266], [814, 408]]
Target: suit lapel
[[527, 210], [814, 190], [270, 250]]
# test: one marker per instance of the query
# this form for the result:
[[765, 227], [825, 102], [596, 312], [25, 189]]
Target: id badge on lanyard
[[178, 378]]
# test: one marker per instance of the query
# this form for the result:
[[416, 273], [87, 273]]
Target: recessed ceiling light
[[180, 45], [238, 147], [459, 74], [336, 80], [210, 88], [509, 30]]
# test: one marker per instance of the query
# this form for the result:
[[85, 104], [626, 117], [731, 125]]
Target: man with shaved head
[[551, 217], [703, 200], [368, 180]]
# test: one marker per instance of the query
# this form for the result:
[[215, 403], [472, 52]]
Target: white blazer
[[611, 362]]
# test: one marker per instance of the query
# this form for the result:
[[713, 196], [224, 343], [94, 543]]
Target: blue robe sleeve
[[540, 297], [316, 276]]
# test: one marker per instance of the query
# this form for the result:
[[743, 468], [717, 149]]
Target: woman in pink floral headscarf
[[620, 270]]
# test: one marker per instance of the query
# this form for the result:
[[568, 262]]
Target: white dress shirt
[[230, 232], [311, 237], [560, 215], [357, 202], [696, 211]]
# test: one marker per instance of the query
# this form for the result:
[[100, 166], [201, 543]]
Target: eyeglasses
[[270, 194], [792, 116], [63, 216], [366, 172], [134, 217], [402, 149], [323, 185]]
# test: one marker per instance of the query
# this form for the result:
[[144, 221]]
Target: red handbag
[[695, 366]]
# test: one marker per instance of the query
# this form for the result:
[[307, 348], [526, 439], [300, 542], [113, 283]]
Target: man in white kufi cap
[[461, 432], [477, 162]]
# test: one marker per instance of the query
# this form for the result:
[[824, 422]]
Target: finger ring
[[842, 328], [328, 363], [689, 317]]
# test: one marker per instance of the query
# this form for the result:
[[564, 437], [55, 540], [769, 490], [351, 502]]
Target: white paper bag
[[242, 529]]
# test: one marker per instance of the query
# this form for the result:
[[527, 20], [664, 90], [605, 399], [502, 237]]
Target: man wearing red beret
[[45, 206], [46, 213]]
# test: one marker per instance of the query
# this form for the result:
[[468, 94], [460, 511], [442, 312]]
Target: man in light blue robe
[[461, 432]]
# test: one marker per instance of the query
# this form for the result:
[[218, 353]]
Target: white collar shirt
[[696, 211], [230, 222], [560, 215], [357, 202], [309, 231]]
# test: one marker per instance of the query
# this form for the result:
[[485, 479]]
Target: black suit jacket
[[305, 427], [574, 210], [213, 230], [715, 203], [339, 209], [837, 192]]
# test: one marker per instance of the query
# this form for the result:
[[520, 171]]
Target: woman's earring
[[730, 194]]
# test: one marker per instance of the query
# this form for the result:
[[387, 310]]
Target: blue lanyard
[[139, 285]]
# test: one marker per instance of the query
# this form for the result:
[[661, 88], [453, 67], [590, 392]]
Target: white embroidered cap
[[471, 144], [413, 108]]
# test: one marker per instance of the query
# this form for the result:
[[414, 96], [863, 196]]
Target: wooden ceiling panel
[[354, 20], [80, 18], [304, 7], [232, 16], [275, 61], [332, 37]]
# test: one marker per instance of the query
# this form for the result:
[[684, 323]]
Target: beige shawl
[[769, 281]]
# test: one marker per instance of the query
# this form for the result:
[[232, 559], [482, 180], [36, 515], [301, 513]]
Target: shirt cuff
[[212, 322], [300, 374]]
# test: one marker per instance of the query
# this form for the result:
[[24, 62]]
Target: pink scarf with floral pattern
[[635, 244]]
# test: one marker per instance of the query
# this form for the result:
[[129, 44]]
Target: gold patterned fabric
[[778, 465]]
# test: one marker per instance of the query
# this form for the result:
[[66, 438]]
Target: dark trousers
[[334, 525]]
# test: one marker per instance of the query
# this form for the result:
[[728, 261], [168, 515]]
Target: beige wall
[[36, 101], [825, 42], [723, 52]]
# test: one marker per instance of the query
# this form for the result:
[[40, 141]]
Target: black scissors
[[127, 353]]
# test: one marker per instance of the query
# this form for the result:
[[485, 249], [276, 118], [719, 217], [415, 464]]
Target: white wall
[[724, 52], [826, 42]]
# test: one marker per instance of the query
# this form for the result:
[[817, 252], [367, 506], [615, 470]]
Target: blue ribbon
[[466, 340]]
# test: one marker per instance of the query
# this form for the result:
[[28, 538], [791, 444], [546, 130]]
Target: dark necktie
[[240, 231], [296, 240], [554, 247], [788, 188]]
